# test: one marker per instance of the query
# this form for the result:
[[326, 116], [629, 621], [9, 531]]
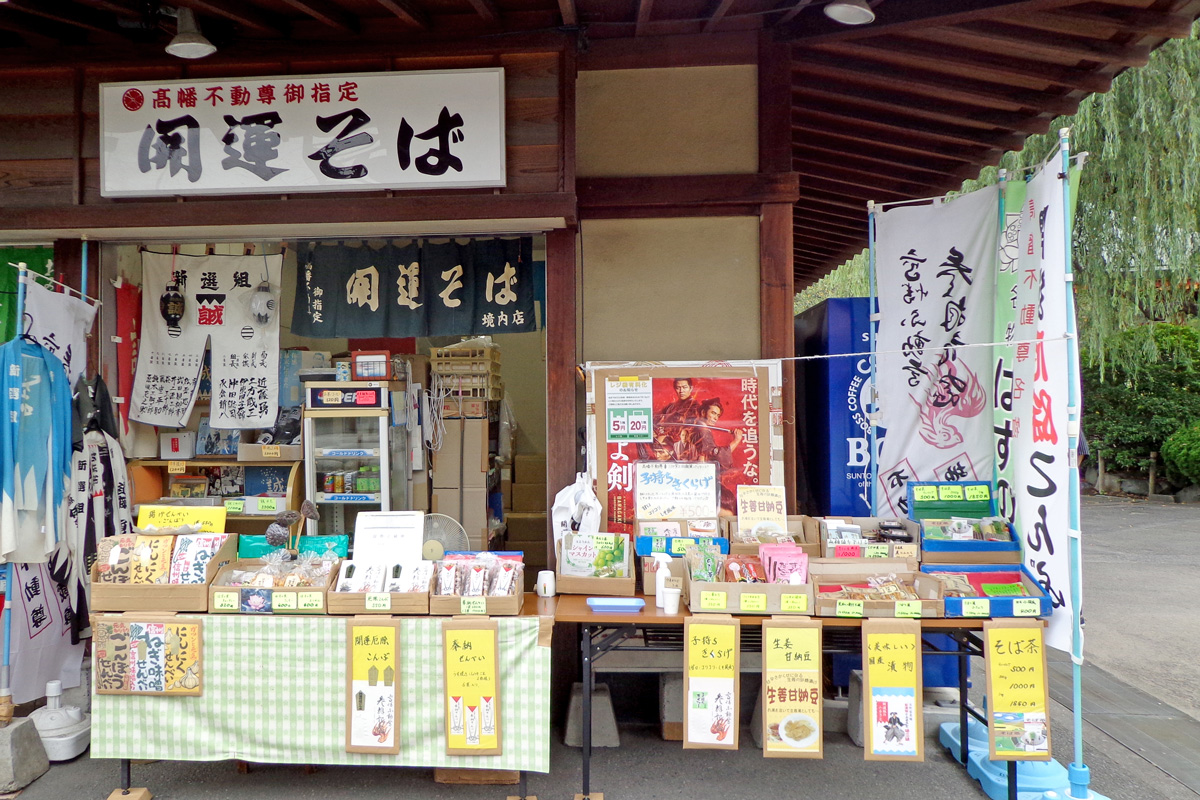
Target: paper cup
[[671, 601], [545, 583]]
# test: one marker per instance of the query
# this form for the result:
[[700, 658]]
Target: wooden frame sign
[[471, 658], [712, 653], [893, 726], [1017, 692], [791, 689], [372, 685], [145, 654]]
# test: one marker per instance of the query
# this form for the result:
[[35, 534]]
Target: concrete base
[[22, 756], [670, 702], [854, 719], [604, 721], [131, 794]]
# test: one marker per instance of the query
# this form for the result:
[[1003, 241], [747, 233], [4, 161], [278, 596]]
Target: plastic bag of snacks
[[704, 563], [744, 569]]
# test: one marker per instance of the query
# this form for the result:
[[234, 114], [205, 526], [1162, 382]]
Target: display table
[[275, 692], [603, 632]]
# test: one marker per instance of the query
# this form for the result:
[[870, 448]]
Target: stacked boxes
[[460, 477], [527, 521]]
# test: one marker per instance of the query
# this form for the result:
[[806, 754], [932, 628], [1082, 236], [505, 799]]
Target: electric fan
[[442, 533]]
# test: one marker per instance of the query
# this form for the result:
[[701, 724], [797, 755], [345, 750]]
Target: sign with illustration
[[470, 653], [710, 683], [892, 721], [791, 689], [211, 519], [161, 657], [1017, 692], [373, 686]]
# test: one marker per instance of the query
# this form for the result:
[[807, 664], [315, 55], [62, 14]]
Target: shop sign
[[1015, 660], [303, 133], [892, 724]]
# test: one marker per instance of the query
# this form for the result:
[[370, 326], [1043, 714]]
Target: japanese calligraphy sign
[[717, 416], [148, 656], [712, 651], [211, 519], [223, 306], [42, 618], [791, 689], [372, 686], [893, 728], [303, 133], [1040, 459], [936, 273], [417, 288], [1017, 692], [471, 656], [761, 509], [675, 489]]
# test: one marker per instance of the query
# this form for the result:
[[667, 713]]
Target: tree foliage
[[1181, 453], [848, 280]]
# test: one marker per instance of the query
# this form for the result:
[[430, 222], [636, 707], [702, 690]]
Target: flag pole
[[997, 334], [1077, 772], [873, 321]]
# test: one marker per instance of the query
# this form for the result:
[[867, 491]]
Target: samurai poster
[[147, 657], [419, 288], [936, 275], [230, 303], [716, 415]]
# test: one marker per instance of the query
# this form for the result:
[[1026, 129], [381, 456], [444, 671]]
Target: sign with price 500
[[629, 402]]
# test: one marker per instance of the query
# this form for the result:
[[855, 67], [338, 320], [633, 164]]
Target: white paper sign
[[389, 537], [675, 489], [630, 404], [303, 133]]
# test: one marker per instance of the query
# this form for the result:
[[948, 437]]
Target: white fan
[[442, 533]]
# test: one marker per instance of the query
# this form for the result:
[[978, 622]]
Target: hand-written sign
[[761, 509], [373, 687], [148, 657], [1015, 660], [791, 689], [210, 519], [710, 684], [675, 489], [892, 689], [471, 658]]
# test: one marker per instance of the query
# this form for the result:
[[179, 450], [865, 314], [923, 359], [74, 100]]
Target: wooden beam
[[908, 15], [894, 140], [791, 13], [37, 35], [241, 13], [829, 233], [1050, 47], [880, 75], [326, 13], [868, 160], [774, 107], [932, 131], [408, 11], [83, 18], [561, 358], [488, 10], [714, 18], [817, 210], [861, 178], [695, 191], [776, 338], [643, 17], [1103, 25], [570, 15]]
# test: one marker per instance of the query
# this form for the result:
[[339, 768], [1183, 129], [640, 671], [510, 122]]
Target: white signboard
[[675, 489], [630, 404], [303, 133]]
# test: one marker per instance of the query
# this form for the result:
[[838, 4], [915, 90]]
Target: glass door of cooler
[[347, 463]]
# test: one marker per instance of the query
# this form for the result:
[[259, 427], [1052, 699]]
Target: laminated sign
[[1015, 660], [152, 656], [470, 653], [373, 686], [710, 684], [892, 723], [791, 689]]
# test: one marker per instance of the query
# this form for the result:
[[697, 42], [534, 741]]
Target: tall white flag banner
[[232, 301], [935, 270], [1039, 390]]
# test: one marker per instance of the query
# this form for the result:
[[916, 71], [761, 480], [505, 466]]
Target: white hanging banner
[[303, 133], [1039, 390], [60, 323], [222, 300], [935, 271]]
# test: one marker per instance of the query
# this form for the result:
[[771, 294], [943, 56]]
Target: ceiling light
[[188, 41], [850, 12]]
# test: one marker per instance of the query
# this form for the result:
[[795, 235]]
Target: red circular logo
[[133, 99]]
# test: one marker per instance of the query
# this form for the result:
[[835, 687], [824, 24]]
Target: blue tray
[[629, 605]]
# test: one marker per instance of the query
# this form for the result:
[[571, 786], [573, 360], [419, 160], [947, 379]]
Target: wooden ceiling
[[905, 107]]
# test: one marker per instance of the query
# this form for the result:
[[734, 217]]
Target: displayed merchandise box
[[164, 597], [225, 599], [706, 597], [615, 587], [869, 526], [805, 531], [407, 603], [968, 500], [449, 605], [1035, 603], [824, 572], [177, 445]]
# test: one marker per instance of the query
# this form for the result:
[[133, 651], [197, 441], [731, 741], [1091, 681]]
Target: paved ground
[[1140, 577]]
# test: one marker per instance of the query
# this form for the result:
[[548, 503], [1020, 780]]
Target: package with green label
[[595, 564], [884, 587]]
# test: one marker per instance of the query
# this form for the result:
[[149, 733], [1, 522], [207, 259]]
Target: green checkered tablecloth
[[275, 692]]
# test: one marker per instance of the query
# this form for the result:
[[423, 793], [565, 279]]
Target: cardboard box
[[159, 596], [454, 407], [254, 452], [995, 606], [223, 599], [378, 602], [705, 597], [804, 530], [177, 445], [529, 468], [451, 605], [610, 587], [845, 570], [869, 525], [523, 527], [420, 499], [462, 462], [472, 514], [529, 497], [649, 570]]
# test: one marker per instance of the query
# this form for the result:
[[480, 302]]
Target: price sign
[[372, 696], [379, 601], [925, 494], [849, 608], [270, 451], [176, 467], [1026, 607], [268, 504], [794, 603], [950, 492], [892, 726], [235, 506], [976, 607], [713, 601], [875, 551], [710, 689], [472, 605], [311, 601], [470, 657], [847, 551], [210, 520], [977, 493], [283, 601], [908, 608], [629, 403], [225, 601], [1015, 660], [791, 688], [754, 603], [680, 545], [904, 551]]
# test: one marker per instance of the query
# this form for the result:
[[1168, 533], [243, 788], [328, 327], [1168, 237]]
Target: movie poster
[[712, 415]]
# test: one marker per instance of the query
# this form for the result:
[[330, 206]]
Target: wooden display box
[[450, 605], [164, 597], [255, 452], [869, 525], [805, 533], [706, 597], [393, 603], [843, 570], [602, 587], [224, 599]]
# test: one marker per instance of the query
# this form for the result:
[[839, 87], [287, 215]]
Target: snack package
[[704, 563], [506, 577], [394, 580], [417, 577], [744, 569], [474, 580], [447, 578]]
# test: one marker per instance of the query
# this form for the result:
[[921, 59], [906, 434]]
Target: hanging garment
[[93, 409], [35, 451], [59, 322], [99, 506]]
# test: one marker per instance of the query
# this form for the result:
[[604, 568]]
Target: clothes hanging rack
[[25, 273]]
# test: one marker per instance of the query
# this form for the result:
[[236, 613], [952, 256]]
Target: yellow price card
[[892, 724], [470, 657], [1017, 694], [373, 687]]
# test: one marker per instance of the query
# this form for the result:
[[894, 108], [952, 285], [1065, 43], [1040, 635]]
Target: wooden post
[[560, 368], [1153, 470]]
